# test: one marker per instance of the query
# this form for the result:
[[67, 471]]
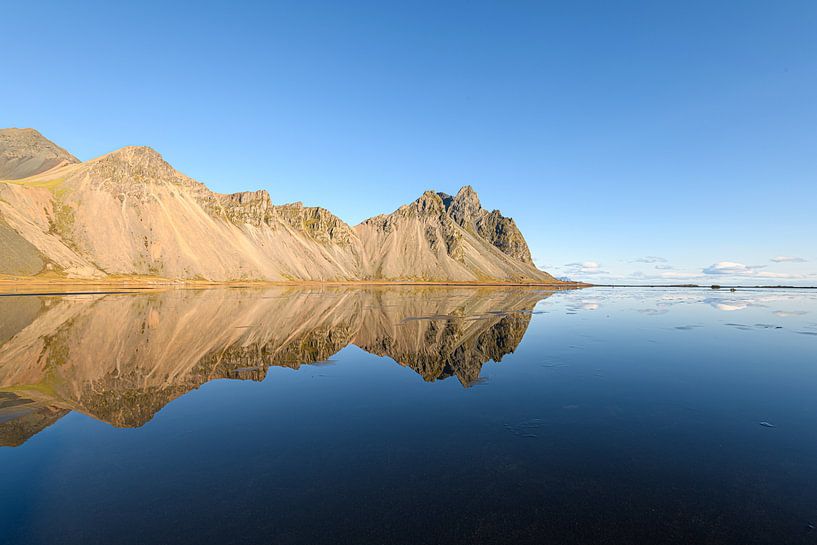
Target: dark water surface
[[405, 415]]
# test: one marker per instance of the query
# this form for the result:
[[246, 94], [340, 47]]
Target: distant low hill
[[129, 213]]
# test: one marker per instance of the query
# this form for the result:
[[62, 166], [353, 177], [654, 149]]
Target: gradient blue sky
[[630, 140]]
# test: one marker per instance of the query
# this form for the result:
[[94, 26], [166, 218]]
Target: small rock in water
[[767, 425]]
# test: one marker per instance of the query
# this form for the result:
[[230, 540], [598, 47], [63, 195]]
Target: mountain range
[[129, 214]]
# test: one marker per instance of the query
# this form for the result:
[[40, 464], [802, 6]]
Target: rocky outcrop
[[316, 223], [130, 213], [466, 210], [255, 208], [244, 208]]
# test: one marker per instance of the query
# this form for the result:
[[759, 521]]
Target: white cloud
[[788, 259], [585, 267], [729, 268], [789, 276], [679, 274], [650, 259]]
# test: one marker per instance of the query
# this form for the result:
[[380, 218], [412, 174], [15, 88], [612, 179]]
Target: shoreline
[[25, 285], [11, 284]]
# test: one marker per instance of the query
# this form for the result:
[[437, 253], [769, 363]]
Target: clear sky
[[671, 141]]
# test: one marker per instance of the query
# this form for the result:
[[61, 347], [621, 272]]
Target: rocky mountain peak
[[133, 166], [430, 203], [26, 152], [467, 195], [136, 157], [464, 207]]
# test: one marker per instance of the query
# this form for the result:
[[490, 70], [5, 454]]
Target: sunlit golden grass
[[51, 185]]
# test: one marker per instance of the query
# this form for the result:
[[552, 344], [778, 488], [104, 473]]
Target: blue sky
[[636, 141]]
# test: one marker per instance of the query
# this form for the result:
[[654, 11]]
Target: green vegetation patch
[[62, 222], [51, 185]]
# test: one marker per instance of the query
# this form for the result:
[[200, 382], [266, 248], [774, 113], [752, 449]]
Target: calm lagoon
[[409, 415]]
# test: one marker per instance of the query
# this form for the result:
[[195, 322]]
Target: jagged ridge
[[130, 212]]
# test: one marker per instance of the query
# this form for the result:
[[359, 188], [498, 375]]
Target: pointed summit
[[464, 207], [467, 194], [429, 203], [134, 165], [134, 155], [501, 232], [26, 152]]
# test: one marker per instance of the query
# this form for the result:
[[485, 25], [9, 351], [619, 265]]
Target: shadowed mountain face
[[122, 357], [130, 213]]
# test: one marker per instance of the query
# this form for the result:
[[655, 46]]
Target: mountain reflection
[[120, 358]]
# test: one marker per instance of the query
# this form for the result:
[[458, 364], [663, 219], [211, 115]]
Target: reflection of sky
[[643, 394], [658, 301]]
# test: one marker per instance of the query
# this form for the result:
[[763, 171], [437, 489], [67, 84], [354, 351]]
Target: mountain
[[25, 152], [159, 345], [443, 237], [131, 214]]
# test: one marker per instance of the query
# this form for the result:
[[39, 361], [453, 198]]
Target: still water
[[409, 415]]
